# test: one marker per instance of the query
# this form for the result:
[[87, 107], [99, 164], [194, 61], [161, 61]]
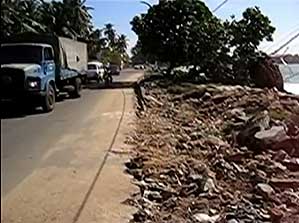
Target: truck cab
[[37, 67], [28, 70]]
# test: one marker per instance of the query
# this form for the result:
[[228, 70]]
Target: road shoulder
[[105, 203]]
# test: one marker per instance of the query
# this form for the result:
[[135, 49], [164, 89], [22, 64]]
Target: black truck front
[[17, 85], [12, 83], [20, 74]]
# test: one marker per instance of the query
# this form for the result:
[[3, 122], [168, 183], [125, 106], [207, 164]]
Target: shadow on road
[[113, 85], [17, 110], [10, 110]]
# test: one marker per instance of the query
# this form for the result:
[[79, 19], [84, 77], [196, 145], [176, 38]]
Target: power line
[[285, 44], [284, 52], [219, 6], [282, 38]]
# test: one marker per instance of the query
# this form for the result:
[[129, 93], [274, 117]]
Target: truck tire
[[84, 80], [77, 88], [48, 101]]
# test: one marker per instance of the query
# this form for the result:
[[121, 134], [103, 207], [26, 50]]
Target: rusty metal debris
[[208, 153]]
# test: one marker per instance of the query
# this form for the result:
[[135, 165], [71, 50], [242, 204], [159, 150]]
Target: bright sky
[[284, 15]]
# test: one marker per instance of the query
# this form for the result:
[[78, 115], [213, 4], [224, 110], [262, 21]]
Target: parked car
[[95, 71], [35, 68], [114, 69]]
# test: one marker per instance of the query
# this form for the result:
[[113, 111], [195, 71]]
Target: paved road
[[59, 152]]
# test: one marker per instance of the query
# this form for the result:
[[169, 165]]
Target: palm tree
[[78, 18], [68, 18], [110, 34], [53, 16], [20, 16], [7, 18], [96, 43], [122, 43]]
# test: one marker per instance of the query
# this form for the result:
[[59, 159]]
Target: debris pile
[[208, 153]]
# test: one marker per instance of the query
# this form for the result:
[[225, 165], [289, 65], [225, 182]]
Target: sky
[[284, 15]]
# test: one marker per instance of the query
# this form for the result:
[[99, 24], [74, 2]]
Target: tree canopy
[[111, 45], [176, 31], [68, 18], [185, 32]]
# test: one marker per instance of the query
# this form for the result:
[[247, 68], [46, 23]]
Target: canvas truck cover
[[68, 53], [76, 53]]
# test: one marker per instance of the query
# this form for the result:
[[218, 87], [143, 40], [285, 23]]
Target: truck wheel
[[77, 91], [48, 101], [84, 80]]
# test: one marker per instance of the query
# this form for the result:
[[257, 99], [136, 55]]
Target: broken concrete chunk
[[271, 135], [265, 190], [205, 218], [209, 185]]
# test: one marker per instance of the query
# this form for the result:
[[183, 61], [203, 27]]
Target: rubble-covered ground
[[208, 153]]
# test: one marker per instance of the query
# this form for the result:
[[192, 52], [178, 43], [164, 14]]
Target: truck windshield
[[20, 54]]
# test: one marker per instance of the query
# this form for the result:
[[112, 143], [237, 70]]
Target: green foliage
[[68, 18], [245, 36], [121, 44], [252, 28], [113, 57], [185, 32], [109, 47], [169, 29], [96, 43], [138, 57], [20, 16]]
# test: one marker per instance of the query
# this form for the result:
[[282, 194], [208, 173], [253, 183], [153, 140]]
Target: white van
[[95, 71]]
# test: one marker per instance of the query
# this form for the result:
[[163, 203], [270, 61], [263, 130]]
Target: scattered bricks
[[210, 153]]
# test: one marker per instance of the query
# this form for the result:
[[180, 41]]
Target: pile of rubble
[[208, 153]]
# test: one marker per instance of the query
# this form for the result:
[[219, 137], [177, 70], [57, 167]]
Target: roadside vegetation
[[186, 33]]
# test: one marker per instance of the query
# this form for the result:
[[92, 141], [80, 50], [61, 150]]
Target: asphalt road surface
[[57, 152]]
